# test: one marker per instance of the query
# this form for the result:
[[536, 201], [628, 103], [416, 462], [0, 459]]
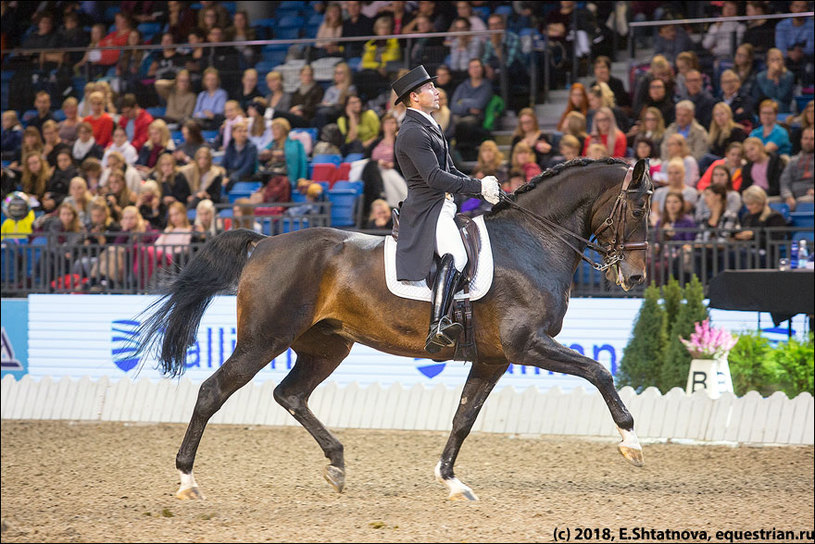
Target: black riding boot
[[443, 332]]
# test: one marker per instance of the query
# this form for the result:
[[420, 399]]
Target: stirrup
[[443, 335]]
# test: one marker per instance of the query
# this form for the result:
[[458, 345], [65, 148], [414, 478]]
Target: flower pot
[[711, 375]]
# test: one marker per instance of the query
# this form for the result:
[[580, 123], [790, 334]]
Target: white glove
[[490, 189]]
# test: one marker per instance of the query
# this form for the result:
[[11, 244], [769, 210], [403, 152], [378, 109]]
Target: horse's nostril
[[636, 279]]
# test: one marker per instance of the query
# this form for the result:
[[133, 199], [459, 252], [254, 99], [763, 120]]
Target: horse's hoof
[[335, 476], [190, 494], [463, 495], [633, 455]]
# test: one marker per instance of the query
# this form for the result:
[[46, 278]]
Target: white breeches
[[448, 239]]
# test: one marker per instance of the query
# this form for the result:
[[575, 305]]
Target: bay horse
[[320, 290]]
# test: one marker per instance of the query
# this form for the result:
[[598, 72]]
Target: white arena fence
[[750, 419]]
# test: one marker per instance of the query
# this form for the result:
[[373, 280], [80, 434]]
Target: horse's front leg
[[544, 352], [479, 384]]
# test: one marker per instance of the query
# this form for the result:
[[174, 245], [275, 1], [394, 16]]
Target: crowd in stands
[[725, 115]]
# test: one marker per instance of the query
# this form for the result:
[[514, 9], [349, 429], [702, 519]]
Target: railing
[[137, 265]]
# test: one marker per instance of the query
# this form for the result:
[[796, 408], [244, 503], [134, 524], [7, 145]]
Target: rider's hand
[[490, 189]]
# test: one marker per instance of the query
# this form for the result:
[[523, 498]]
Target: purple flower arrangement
[[708, 342]]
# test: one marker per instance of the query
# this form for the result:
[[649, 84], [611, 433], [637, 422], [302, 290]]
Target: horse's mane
[[548, 174]]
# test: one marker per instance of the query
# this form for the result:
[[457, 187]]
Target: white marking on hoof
[[630, 447], [458, 491], [189, 489]]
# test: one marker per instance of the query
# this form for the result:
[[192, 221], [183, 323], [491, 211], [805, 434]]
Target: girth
[[468, 229]]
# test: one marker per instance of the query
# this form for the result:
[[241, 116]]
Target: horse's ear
[[640, 170]]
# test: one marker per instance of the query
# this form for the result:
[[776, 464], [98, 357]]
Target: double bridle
[[613, 251]]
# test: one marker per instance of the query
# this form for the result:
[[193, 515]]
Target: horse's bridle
[[612, 251]]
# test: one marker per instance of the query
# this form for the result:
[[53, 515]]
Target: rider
[[428, 212]]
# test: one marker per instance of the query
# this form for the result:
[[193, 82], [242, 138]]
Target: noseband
[[612, 251]]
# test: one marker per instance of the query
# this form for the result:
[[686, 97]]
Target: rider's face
[[428, 97]]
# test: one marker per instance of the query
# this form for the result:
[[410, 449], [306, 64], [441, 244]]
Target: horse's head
[[624, 233]]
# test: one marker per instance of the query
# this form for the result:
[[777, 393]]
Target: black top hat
[[410, 82]]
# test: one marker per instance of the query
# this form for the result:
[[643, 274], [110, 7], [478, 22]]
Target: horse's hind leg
[[236, 371], [318, 355], [479, 384], [544, 352]]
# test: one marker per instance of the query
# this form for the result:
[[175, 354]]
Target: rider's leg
[[443, 332]]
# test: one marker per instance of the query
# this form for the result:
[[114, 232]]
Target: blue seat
[[289, 21], [805, 207], [287, 33], [802, 100], [506, 11], [149, 30], [350, 185], [335, 159], [343, 207], [354, 63], [58, 116], [246, 186], [351, 157], [782, 208], [315, 19], [177, 136], [157, 111], [209, 135]]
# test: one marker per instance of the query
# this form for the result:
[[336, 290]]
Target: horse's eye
[[638, 213]]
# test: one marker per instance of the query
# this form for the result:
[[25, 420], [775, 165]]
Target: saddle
[[462, 310]]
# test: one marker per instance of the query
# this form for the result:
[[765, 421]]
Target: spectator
[[168, 62], [213, 14], [158, 142], [135, 120], [204, 178], [602, 74], [241, 156], [464, 10], [378, 60], [52, 144], [675, 170], [224, 59], [117, 195], [243, 216], [601, 96], [117, 38], [331, 106], [260, 128], [181, 20], [249, 88], [604, 130], [80, 198], [112, 267], [733, 160], [330, 28], [686, 124], [68, 126], [576, 126], [358, 125], [195, 56], [759, 217], [42, 103], [426, 50], [381, 175], [529, 131], [776, 82], [597, 151], [173, 183], [122, 146], [443, 115], [305, 99], [569, 149], [144, 12], [36, 174], [209, 106], [676, 147], [504, 48], [516, 179], [644, 148], [330, 141], [760, 33], [117, 162], [523, 159], [12, 135], [658, 98], [85, 146], [796, 183], [21, 90], [741, 105], [193, 141], [380, 217], [242, 31], [799, 123], [174, 241], [314, 195], [71, 233], [721, 176], [491, 162], [685, 62], [719, 224], [723, 132], [355, 24], [578, 101], [91, 169], [129, 66], [463, 48], [672, 40], [84, 106], [101, 123], [763, 168], [651, 125], [722, 35], [62, 174], [178, 95], [91, 57], [674, 216], [151, 205], [427, 9], [233, 114], [660, 69], [774, 137], [278, 101], [100, 230], [701, 98], [444, 79], [285, 156], [207, 223], [744, 67], [795, 37], [468, 106], [32, 143]]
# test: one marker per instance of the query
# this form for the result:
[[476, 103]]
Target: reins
[[612, 252]]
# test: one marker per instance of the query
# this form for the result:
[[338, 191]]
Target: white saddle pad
[[418, 290]]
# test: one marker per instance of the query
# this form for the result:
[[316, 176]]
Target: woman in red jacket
[[604, 130]]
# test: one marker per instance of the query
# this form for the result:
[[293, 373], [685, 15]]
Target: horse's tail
[[215, 268]]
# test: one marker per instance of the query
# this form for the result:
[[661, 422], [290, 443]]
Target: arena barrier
[[675, 416]]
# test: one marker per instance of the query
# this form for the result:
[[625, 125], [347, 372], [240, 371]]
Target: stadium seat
[[351, 157], [323, 172], [157, 111], [342, 172], [805, 207], [209, 135], [286, 33], [334, 159], [343, 207], [782, 208], [355, 186]]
